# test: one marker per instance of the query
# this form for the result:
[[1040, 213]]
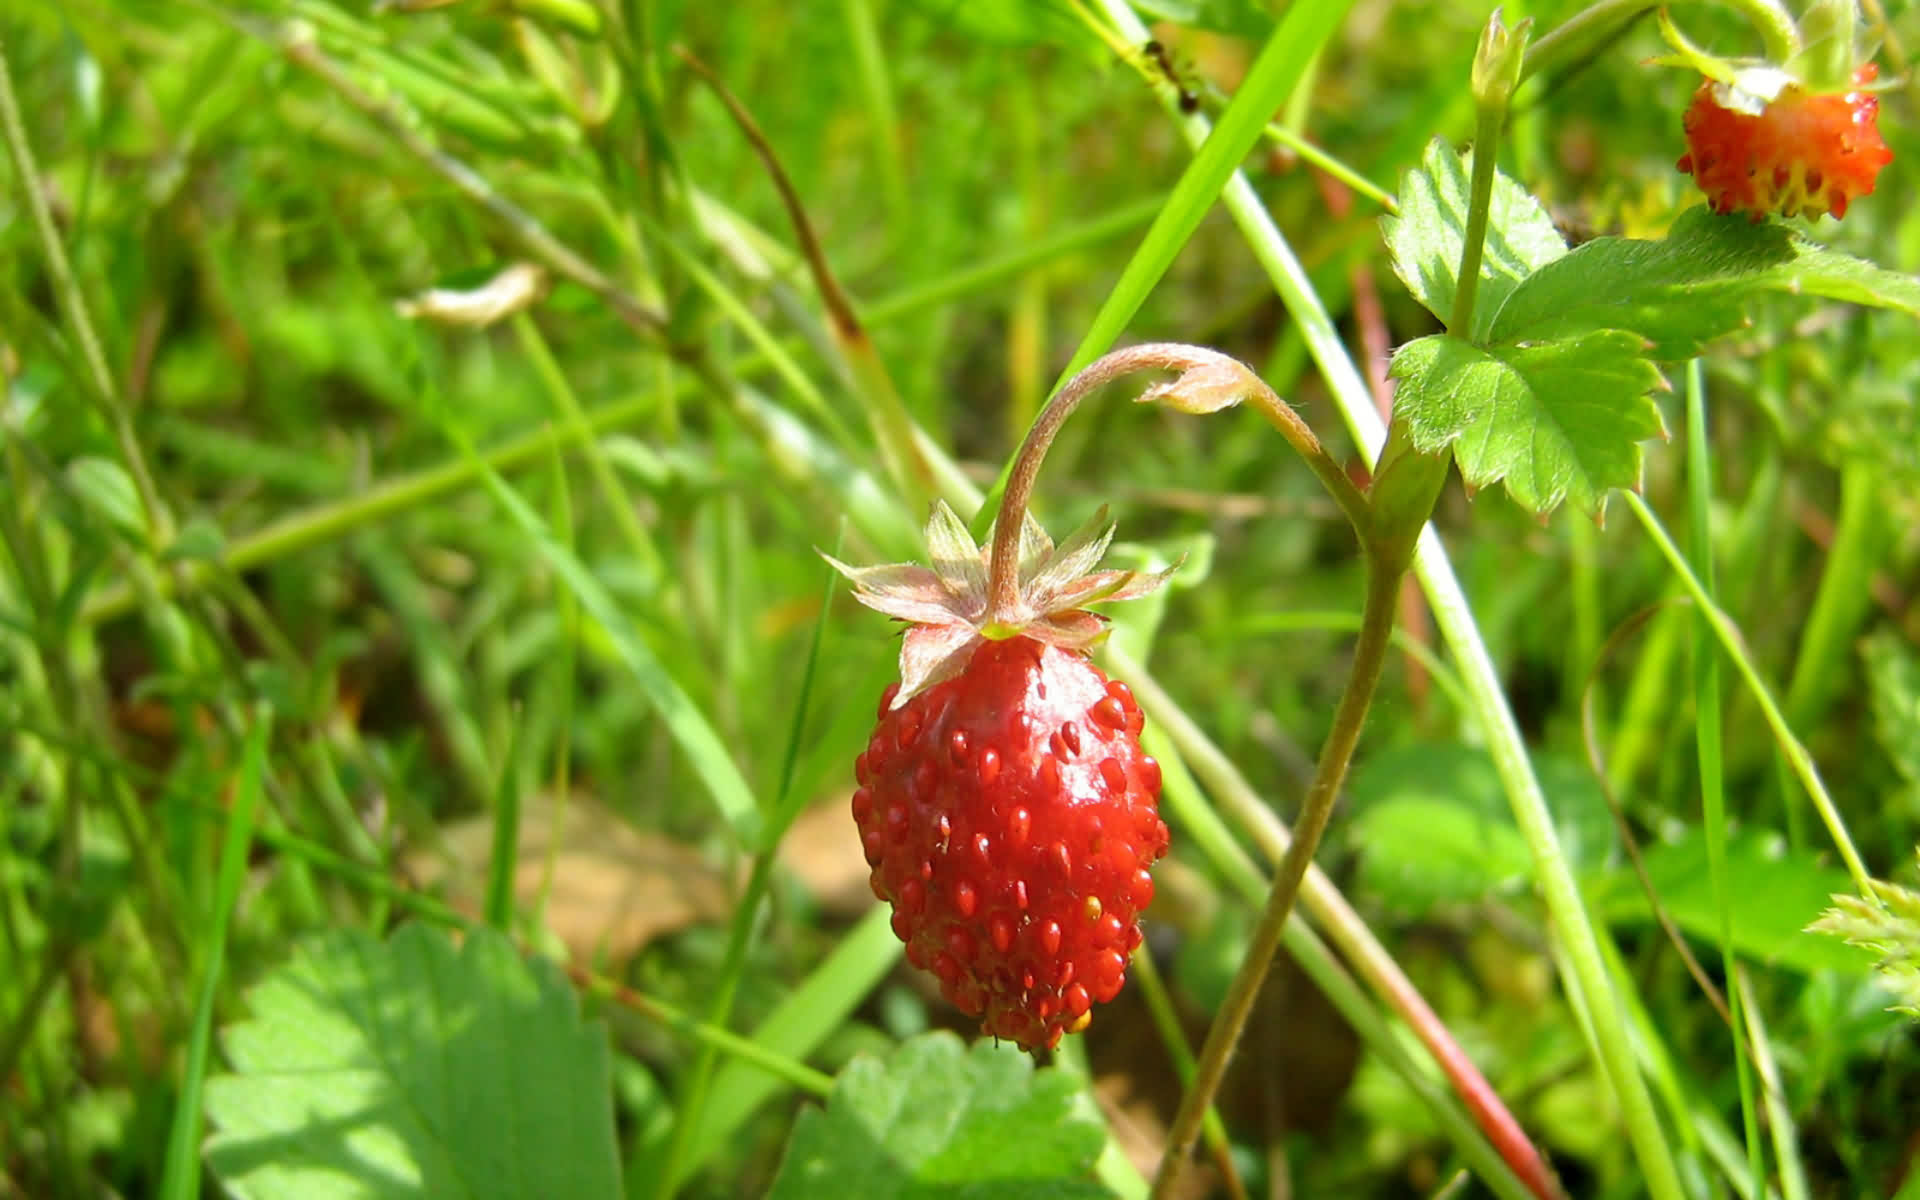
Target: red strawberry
[[1801, 152], [1004, 803]]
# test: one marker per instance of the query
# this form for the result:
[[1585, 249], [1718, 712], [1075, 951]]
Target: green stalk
[[1166, 1022], [870, 64], [1861, 539], [1709, 737], [564, 399], [694, 1100], [1486, 139], [1798, 760], [1315, 156], [1780, 1122], [1369, 660], [1492, 1141], [1592, 25], [181, 1177], [1454, 617], [73, 307]]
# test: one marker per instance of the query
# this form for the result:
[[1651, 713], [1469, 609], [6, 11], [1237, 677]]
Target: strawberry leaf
[[1690, 287], [411, 1068], [938, 1120], [1552, 421], [1425, 239]]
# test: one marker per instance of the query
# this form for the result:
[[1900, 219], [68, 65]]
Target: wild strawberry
[[1800, 152], [1004, 803]]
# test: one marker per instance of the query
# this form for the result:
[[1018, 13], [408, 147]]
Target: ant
[[1154, 50]]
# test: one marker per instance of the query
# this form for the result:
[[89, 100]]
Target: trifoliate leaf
[[940, 1122], [1690, 287], [409, 1068], [1553, 421], [1426, 237]]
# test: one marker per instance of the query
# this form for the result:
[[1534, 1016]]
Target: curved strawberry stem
[[1208, 381]]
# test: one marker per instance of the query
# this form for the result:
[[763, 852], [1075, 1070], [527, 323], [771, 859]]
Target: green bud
[[1497, 62]]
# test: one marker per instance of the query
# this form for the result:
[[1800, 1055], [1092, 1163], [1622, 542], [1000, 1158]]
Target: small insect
[[1156, 53]]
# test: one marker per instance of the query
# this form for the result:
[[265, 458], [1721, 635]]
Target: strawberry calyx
[[948, 611]]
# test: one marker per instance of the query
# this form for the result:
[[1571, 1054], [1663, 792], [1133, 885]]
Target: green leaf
[[108, 492], [1773, 897], [1419, 854], [199, 539], [1426, 238], [408, 1068], [180, 1179], [1690, 287], [1434, 826], [938, 1120], [1552, 421]]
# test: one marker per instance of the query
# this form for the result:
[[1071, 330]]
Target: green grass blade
[[1283, 61], [1780, 1120], [1861, 540], [1709, 737], [816, 1008], [689, 726], [563, 690], [503, 858], [180, 1179], [1730, 641], [692, 1109]]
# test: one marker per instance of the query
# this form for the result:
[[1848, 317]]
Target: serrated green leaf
[[1774, 896], [940, 1121], [410, 1068], [1425, 239], [1551, 420], [1690, 287]]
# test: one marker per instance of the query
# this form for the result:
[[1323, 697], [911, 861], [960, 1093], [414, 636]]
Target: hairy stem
[[1210, 370], [1369, 659], [1486, 141]]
